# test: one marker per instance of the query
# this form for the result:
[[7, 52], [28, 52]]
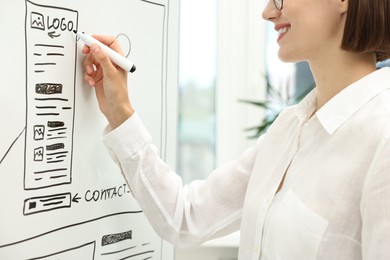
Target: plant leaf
[[263, 104]]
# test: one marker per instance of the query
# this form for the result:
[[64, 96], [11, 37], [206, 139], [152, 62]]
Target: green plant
[[274, 105]]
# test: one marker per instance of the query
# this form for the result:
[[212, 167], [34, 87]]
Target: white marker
[[114, 56]]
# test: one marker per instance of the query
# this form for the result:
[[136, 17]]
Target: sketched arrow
[[75, 198], [52, 34]]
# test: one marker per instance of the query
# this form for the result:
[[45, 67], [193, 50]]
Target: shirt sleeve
[[375, 206], [185, 216]]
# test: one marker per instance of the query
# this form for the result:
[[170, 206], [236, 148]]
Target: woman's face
[[308, 29]]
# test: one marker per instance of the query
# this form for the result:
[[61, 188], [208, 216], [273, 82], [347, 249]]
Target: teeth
[[282, 30]]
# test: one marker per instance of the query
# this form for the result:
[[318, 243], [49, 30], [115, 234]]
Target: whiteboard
[[61, 196]]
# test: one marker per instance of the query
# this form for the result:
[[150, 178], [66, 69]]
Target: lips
[[282, 30]]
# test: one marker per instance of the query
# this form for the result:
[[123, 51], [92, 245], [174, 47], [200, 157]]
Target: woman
[[317, 184]]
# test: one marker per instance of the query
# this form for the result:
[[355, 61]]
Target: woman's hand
[[109, 81]]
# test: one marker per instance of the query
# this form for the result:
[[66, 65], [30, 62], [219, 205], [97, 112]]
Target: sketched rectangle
[[46, 203]]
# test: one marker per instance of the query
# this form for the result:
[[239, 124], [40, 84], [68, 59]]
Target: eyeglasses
[[278, 4]]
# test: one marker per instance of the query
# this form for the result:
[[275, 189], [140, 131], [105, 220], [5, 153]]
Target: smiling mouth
[[282, 32]]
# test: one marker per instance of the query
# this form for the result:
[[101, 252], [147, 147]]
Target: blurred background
[[228, 68]]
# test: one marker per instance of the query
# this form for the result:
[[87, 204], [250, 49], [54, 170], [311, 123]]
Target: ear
[[342, 6]]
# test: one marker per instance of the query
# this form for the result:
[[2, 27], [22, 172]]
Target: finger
[[93, 78], [85, 49], [89, 64], [89, 80], [102, 59], [110, 41], [92, 70], [98, 73]]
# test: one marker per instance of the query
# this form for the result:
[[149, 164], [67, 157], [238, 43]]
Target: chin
[[289, 56]]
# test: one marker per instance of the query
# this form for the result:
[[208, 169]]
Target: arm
[[184, 216]]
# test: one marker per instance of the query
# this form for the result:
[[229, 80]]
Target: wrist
[[119, 116]]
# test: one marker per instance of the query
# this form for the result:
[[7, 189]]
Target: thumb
[[102, 58]]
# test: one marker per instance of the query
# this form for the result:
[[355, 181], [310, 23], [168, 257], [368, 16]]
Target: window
[[197, 77], [221, 62]]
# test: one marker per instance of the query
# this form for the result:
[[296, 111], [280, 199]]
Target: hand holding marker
[[113, 55]]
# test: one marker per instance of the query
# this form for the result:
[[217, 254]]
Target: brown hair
[[367, 27]]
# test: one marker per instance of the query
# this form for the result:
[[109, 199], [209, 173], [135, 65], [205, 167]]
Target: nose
[[270, 12]]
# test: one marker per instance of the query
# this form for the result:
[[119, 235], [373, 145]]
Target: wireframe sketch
[[61, 195], [50, 89]]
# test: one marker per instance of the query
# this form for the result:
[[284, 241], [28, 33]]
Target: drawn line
[[45, 107], [115, 252], [55, 54], [52, 203], [55, 124], [52, 170], [48, 114], [143, 253], [54, 198], [56, 146], [39, 71], [64, 251], [49, 99], [69, 226], [49, 45], [53, 138], [37, 54], [9, 149], [56, 161], [57, 129], [45, 63], [147, 258], [166, 45], [58, 153], [153, 3], [58, 176]]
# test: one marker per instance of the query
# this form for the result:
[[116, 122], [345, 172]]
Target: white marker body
[[114, 56]]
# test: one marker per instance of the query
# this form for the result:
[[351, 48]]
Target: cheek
[[300, 43]]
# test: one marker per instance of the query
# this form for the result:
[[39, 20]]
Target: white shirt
[[335, 201]]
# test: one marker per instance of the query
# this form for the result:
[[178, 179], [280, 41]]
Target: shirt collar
[[347, 102], [307, 106]]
